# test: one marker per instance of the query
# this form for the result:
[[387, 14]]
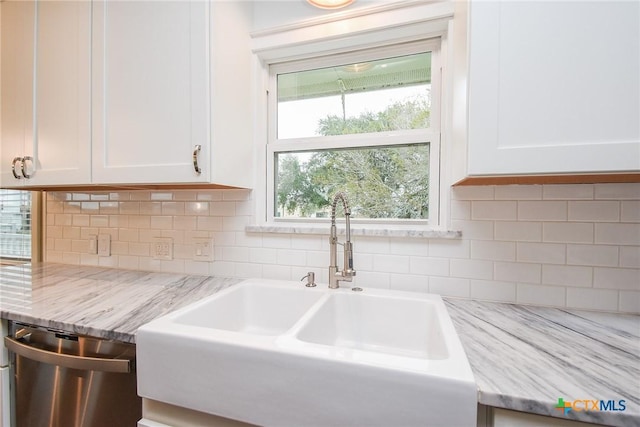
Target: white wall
[[572, 246], [275, 13]]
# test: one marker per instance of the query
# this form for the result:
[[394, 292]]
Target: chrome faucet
[[347, 272]]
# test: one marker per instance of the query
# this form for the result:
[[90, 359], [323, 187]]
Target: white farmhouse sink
[[276, 353]]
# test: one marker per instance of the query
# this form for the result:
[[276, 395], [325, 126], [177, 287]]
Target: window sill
[[405, 232]]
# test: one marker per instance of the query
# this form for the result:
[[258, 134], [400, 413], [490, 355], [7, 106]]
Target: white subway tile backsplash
[[460, 209], [307, 243], [493, 250], [617, 278], [594, 211], [409, 282], [592, 299], [369, 245], [291, 257], [542, 211], [480, 230], [172, 208], [209, 196], [140, 195], [429, 266], [276, 241], [629, 302], [518, 231], [494, 210], [568, 192], [391, 264], [161, 196], [471, 269], [98, 221], [411, 247], [630, 256], [197, 208], [567, 275], [567, 232], [630, 211], [518, 192], [629, 191], [263, 255], [209, 223], [234, 223], [473, 192], [449, 286], [546, 253], [236, 254], [493, 291], [540, 295], [370, 279], [618, 234], [592, 255], [150, 208], [222, 209], [517, 272], [562, 245], [449, 248]]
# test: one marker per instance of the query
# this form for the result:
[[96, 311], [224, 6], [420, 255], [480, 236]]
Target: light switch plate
[[202, 249], [162, 248]]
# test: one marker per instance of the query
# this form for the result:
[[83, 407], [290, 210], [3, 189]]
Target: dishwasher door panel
[[51, 392]]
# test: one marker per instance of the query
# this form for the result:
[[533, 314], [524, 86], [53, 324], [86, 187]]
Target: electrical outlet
[[104, 245], [203, 249], [162, 248]]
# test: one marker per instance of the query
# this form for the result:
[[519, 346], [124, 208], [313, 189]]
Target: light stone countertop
[[101, 302], [523, 357]]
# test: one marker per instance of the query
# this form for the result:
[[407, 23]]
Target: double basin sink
[[277, 353]]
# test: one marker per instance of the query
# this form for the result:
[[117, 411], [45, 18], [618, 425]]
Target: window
[[15, 225], [363, 122]]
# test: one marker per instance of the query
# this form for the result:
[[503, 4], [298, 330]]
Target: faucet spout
[[347, 272]]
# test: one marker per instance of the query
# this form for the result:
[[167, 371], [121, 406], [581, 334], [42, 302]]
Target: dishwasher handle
[[67, 360]]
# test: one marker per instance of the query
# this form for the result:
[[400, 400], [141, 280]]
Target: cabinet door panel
[[62, 144], [150, 91], [18, 21], [549, 93]]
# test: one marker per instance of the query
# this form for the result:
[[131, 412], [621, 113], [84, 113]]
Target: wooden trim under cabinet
[[550, 179]]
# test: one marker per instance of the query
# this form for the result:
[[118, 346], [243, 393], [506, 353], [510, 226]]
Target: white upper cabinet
[[46, 93], [150, 87], [126, 92], [554, 87], [170, 97], [18, 19]]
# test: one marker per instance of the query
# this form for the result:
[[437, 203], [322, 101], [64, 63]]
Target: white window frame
[[429, 136], [349, 31]]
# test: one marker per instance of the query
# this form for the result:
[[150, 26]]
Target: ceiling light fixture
[[330, 4]]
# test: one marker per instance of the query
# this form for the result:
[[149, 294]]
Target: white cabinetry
[[46, 94], [150, 101], [553, 87], [123, 93], [507, 418]]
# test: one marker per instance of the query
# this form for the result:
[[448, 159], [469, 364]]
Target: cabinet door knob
[[25, 159], [196, 151], [13, 167]]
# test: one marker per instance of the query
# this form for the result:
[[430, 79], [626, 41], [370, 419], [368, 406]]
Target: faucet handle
[[311, 279]]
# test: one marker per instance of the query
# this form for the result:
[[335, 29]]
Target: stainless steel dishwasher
[[65, 380]]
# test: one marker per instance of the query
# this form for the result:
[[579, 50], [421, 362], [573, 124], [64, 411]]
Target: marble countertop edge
[[404, 232]]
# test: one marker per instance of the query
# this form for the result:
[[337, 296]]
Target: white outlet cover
[[162, 248]]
